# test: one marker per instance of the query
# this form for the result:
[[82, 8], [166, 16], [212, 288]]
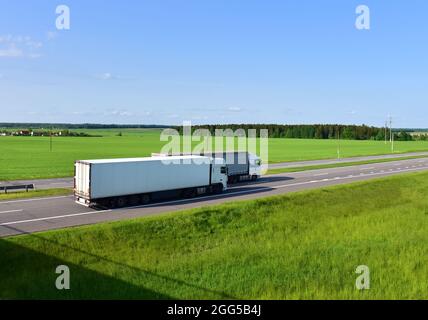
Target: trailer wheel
[[145, 199], [112, 203], [134, 200], [189, 193], [121, 202], [192, 193]]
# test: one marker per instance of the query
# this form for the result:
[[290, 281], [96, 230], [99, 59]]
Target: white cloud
[[51, 35], [118, 113], [234, 109], [11, 51], [19, 47], [107, 76]]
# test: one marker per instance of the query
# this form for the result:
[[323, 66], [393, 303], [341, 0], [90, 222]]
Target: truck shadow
[[238, 189], [30, 274], [205, 198], [264, 180]]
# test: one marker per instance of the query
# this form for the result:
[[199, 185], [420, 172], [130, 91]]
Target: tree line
[[79, 126], [316, 131]]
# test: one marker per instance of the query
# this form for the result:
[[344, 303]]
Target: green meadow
[[30, 157], [305, 245]]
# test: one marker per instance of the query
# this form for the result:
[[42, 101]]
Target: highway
[[41, 184], [32, 215]]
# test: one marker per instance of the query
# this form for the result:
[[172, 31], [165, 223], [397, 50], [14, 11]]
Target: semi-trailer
[[240, 166], [116, 183]]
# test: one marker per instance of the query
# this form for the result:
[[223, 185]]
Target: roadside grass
[[304, 245], [338, 165], [30, 158], [35, 194]]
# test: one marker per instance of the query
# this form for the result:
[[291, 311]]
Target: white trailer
[[134, 181]]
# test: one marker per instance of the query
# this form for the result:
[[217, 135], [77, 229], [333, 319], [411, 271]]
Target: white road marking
[[321, 174], [53, 218], [10, 211]]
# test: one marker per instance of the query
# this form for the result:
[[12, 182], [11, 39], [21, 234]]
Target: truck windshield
[[223, 170], [258, 162]]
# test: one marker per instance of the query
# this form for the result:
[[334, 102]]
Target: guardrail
[[17, 187]]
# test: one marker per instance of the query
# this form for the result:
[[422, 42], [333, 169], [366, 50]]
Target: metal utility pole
[[50, 141], [338, 142], [386, 130], [391, 134]]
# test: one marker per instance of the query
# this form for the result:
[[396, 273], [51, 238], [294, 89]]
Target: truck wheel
[[121, 202], [112, 203], [134, 200], [254, 178], [192, 193], [145, 199], [189, 193], [218, 188]]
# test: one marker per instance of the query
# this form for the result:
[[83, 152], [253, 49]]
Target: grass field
[[29, 157], [300, 246], [35, 194]]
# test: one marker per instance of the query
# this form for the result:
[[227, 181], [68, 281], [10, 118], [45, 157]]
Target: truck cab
[[255, 166], [219, 173]]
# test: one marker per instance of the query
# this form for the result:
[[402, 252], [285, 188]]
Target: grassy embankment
[[304, 245], [30, 158]]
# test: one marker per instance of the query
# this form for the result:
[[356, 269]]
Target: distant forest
[[79, 126], [318, 131]]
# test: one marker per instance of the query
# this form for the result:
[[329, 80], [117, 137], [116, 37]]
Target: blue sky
[[222, 61]]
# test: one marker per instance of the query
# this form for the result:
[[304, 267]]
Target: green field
[[29, 157], [300, 246], [35, 194]]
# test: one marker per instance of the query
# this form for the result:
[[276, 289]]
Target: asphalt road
[[68, 182], [31, 215]]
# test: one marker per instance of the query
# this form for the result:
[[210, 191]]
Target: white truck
[[117, 183], [240, 166]]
